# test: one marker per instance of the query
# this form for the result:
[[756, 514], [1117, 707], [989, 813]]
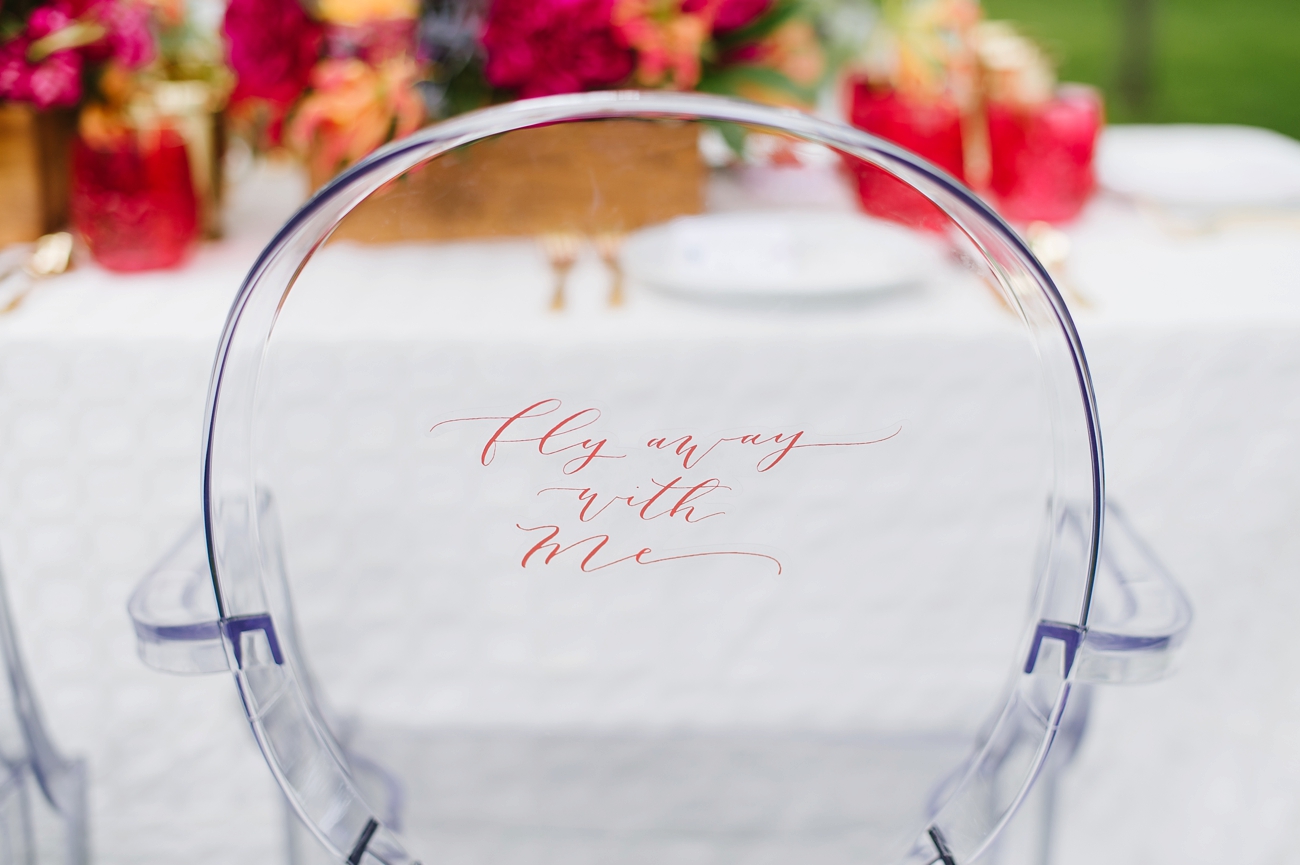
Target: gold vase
[[35, 149], [589, 178], [192, 108]]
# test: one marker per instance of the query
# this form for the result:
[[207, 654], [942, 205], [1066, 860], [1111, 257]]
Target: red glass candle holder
[[1042, 155], [930, 129], [133, 199]]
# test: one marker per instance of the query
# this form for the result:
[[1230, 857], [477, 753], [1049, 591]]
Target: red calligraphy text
[[550, 549]]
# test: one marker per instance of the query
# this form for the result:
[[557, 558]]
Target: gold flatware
[[1052, 248], [609, 245], [561, 250], [51, 255]]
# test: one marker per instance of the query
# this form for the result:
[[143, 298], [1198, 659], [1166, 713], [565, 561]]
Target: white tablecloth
[[1194, 341]]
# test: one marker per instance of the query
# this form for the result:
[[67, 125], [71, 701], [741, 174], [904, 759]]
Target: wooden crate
[[35, 169], [588, 177]]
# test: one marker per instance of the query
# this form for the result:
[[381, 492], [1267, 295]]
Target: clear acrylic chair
[[42, 793], [461, 354]]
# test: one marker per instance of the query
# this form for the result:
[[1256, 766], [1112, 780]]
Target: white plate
[[789, 255], [1201, 166]]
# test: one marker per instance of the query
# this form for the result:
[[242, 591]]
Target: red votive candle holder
[[1041, 156], [930, 129], [133, 199]]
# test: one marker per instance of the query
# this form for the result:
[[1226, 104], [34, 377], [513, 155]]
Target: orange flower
[[352, 109], [923, 49], [667, 40], [103, 128], [794, 50], [171, 13], [362, 11]]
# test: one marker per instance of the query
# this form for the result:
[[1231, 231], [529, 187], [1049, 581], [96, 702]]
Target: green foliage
[[13, 16], [740, 79], [781, 12], [467, 90], [733, 134], [722, 74]]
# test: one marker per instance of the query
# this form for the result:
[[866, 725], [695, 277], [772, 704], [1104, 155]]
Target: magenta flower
[[43, 64], [54, 82], [730, 14], [130, 41], [15, 71], [541, 47], [272, 46], [49, 19]]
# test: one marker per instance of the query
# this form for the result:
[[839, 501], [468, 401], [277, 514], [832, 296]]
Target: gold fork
[[1052, 247], [609, 245], [561, 250], [51, 256]]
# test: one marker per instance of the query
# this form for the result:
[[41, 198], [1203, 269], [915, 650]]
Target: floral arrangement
[[767, 49], [332, 87], [105, 57], [337, 84], [52, 53], [980, 100], [943, 53]]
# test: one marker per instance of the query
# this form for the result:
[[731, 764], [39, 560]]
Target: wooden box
[[35, 169], [592, 177]]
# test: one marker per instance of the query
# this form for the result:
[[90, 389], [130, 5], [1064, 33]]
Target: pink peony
[[272, 46], [130, 41], [83, 31], [54, 82], [730, 14], [15, 72], [541, 47], [49, 19]]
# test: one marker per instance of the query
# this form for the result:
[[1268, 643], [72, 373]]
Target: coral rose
[[668, 39], [353, 108]]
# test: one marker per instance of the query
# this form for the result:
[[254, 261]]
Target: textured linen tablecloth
[[1194, 342]]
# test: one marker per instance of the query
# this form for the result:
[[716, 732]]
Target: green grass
[[1215, 61]]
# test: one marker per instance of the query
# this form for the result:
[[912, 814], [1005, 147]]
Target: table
[[1193, 344]]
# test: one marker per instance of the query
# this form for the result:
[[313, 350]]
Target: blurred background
[[1175, 61]]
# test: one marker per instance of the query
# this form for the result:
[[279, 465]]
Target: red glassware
[[133, 200], [1042, 156], [931, 130]]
